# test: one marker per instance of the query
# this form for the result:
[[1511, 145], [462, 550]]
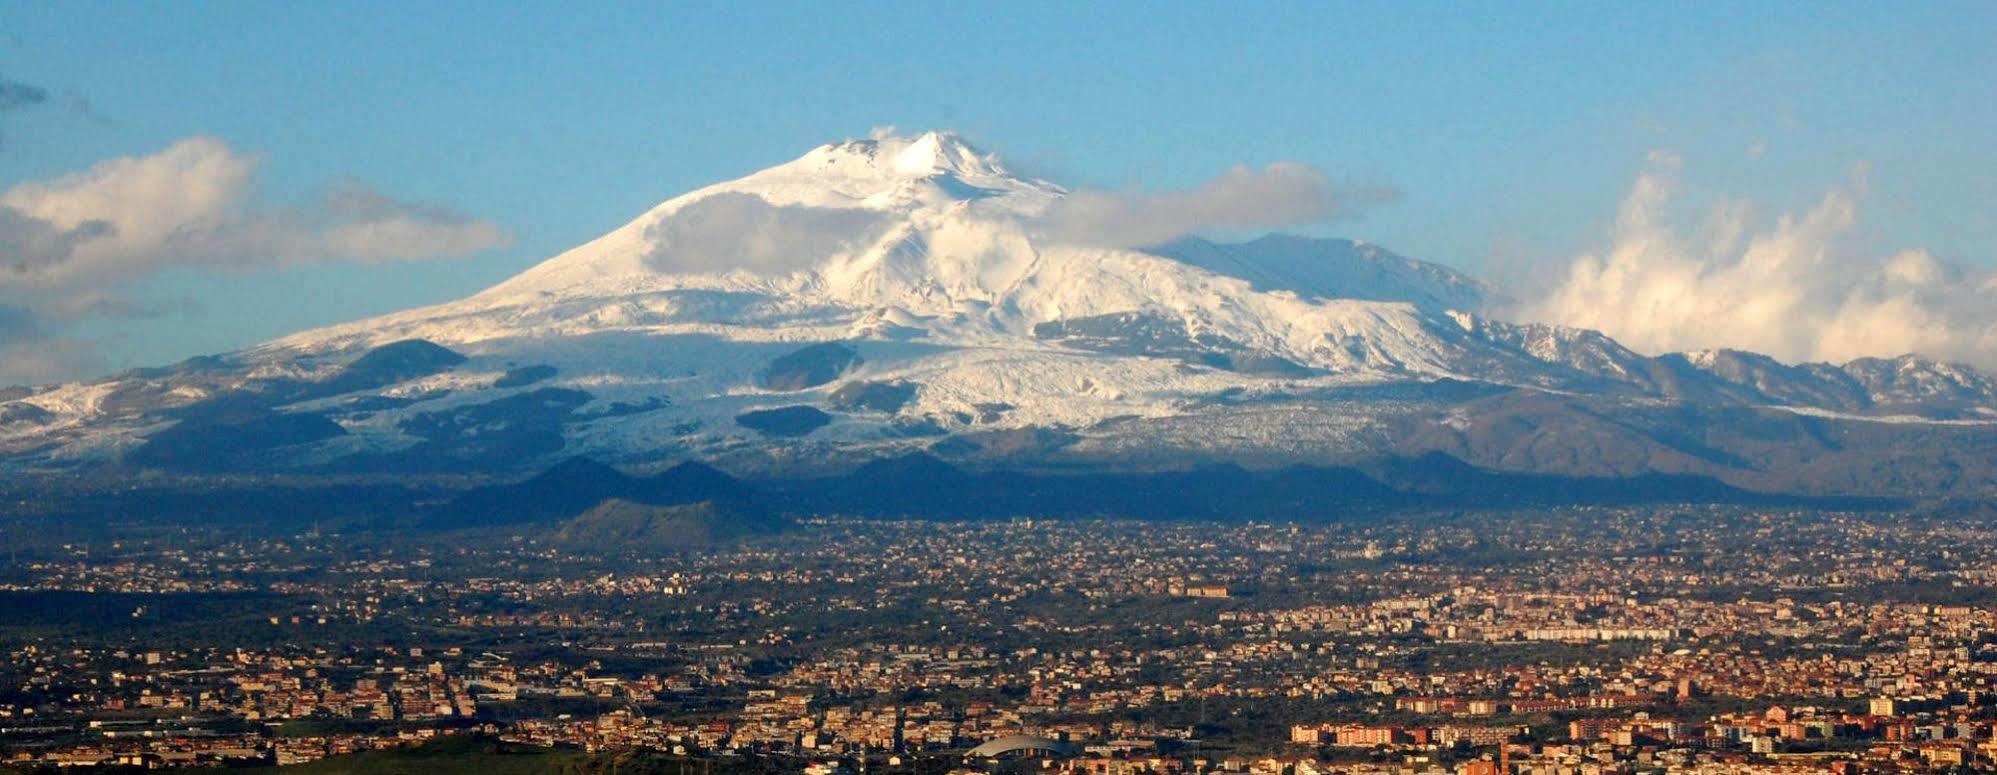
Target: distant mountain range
[[878, 299]]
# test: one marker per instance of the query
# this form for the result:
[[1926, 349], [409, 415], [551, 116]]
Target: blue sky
[[1512, 130]]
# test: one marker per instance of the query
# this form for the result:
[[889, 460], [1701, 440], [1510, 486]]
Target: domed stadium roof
[[1011, 743]]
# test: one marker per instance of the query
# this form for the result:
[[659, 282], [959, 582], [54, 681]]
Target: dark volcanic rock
[[626, 408], [23, 414], [163, 393], [992, 411], [221, 440], [1006, 442], [869, 396], [195, 365], [1264, 364], [498, 433], [784, 421], [810, 367], [524, 376], [1133, 333], [365, 404], [387, 365], [545, 407], [137, 397], [1160, 336]]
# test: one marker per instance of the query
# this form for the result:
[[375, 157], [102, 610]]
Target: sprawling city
[[946, 388], [1687, 639]]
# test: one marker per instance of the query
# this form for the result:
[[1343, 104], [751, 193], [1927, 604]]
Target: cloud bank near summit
[[734, 231], [1281, 194], [1801, 287], [730, 231]]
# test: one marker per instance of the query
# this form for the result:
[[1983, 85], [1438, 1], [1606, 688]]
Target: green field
[[468, 755]]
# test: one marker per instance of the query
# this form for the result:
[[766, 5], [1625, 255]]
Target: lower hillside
[[619, 523]]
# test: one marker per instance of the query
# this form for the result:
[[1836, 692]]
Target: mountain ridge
[[874, 297]]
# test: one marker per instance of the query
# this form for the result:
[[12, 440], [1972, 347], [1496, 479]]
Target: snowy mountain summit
[[928, 240], [909, 292]]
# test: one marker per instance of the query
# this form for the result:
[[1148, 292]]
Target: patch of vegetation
[[474, 755], [784, 421]]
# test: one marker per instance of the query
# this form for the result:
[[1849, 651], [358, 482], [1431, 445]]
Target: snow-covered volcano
[[899, 292], [926, 240]]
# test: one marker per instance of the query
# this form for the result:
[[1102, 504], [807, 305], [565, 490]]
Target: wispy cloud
[[16, 96], [193, 204], [70, 245], [729, 231], [1281, 194], [1802, 287]]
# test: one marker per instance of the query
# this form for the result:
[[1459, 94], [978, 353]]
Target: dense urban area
[[1582, 640]]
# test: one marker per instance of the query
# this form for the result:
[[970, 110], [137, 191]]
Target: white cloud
[[1282, 194], [730, 231], [1802, 288], [192, 204], [70, 245]]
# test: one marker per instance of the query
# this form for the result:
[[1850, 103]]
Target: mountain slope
[[879, 296]]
